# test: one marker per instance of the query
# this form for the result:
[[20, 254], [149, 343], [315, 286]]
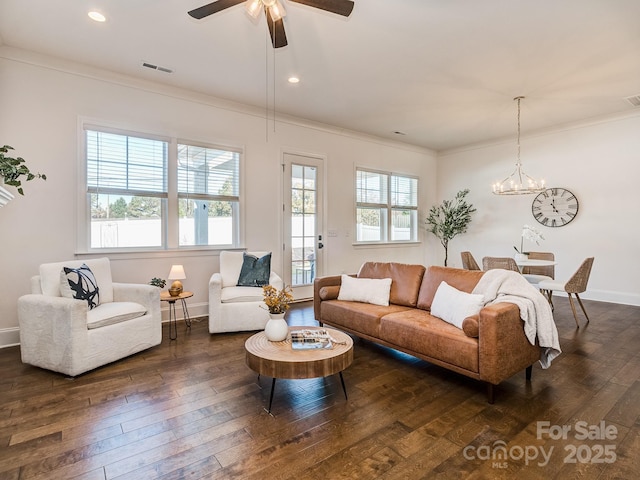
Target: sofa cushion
[[453, 305], [406, 280], [114, 312], [367, 290], [241, 294], [421, 332], [359, 317], [80, 283], [464, 280]]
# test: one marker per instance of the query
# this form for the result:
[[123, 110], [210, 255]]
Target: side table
[[166, 297]]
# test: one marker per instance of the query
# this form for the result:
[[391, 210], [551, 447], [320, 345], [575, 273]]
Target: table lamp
[[176, 274]]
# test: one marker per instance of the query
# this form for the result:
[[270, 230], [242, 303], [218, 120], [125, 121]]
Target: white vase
[[276, 329], [520, 257]]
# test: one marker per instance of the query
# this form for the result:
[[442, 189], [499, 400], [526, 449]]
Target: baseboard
[[9, 337], [608, 296], [194, 309]]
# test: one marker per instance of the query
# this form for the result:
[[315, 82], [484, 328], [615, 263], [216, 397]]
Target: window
[[127, 189], [208, 192], [386, 207], [133, 204]]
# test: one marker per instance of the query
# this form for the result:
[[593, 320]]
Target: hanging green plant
[[14, 170]]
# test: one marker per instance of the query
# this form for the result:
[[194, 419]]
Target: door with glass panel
[[303, 241]]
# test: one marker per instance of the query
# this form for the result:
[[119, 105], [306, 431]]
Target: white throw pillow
[[453, 306], [367, 290]]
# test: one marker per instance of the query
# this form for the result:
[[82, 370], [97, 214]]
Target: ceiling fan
[[274, 12]]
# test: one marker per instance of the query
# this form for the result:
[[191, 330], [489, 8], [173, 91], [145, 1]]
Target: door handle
[[320, 245]]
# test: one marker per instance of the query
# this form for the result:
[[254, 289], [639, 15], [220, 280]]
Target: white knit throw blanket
[[499, 285]]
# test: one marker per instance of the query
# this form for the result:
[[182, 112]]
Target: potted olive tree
[[449, 219], [14, 171]]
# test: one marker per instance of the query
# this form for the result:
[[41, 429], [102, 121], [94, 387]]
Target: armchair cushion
[[241, 294], [254, 271], [81, 284], [114, 312]]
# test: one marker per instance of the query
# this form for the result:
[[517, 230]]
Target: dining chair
[[506, 263], [575, 285], [538, 274], [468, 262]]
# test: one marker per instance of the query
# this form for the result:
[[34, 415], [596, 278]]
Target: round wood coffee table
[[279, 360]]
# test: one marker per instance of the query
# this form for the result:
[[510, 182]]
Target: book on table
[[310, 339]]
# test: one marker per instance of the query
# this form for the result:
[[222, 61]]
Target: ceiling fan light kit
[[275, 12], [518, 183], [272, 7]]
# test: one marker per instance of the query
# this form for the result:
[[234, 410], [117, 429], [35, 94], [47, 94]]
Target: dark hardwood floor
[[191, 408]]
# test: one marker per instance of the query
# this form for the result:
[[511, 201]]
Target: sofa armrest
[[318, 283], [503, 346], [46, 320], [275, 280], [215, 289], [146, 295]]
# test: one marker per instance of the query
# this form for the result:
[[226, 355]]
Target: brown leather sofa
[[490, 347]]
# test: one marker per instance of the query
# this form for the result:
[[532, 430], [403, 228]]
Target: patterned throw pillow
[[255, 271], [80, 283]]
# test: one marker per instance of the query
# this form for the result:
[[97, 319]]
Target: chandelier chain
[[518, 183]]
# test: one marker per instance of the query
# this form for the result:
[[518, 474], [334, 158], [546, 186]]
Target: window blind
[[209, 172], [127, 164]]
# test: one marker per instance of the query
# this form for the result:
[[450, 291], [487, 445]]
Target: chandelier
[[518, 183]]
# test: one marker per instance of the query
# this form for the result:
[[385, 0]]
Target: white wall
[[599, 162], [41, 102]]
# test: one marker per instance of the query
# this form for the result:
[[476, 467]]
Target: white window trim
[[171, 242], [387, 227]]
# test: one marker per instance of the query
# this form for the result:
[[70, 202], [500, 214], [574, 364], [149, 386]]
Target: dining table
[[534, 263]]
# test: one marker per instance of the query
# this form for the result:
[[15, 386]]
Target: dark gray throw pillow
[[255, 271]]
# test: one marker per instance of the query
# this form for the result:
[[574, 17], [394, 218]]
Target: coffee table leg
[[344, 389], [273, 387]]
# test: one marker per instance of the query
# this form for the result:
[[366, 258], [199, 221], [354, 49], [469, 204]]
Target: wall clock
[[555, 207]]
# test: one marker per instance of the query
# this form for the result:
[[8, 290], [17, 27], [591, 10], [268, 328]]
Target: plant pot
[[276, 329]]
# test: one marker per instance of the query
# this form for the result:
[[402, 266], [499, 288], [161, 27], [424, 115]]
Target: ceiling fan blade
[[212, 8], [340, 7], [276, 32]]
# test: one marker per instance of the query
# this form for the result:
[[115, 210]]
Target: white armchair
[[63, 335], [233, 308]]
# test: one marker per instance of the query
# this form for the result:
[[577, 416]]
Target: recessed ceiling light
[[294, 80], [97, 16]]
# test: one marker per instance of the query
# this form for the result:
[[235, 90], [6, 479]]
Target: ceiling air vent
[[156, 67], [634, 100]]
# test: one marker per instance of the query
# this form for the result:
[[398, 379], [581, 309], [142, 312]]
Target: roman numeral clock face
[[555, 207]]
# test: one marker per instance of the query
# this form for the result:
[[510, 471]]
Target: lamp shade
[[177, 273]]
